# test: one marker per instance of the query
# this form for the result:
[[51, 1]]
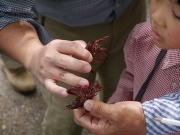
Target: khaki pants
[[58, 121]]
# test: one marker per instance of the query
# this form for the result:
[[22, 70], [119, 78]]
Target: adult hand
[[122, 118], [51, 63]]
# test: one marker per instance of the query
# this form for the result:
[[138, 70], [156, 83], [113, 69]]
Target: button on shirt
[[140, 55]]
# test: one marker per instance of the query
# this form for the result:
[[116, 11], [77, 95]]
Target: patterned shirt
[[140, 55], [82, 12], [69, 12]]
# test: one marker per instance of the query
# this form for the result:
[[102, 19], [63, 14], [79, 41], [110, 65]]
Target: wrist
[[30, 54], [19, 41]]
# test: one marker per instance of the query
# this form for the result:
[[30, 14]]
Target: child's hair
[[178, 2]]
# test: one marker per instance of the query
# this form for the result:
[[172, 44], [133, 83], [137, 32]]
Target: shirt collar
[[171, 58]]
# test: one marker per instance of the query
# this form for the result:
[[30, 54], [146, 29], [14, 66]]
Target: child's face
[[165, 21]]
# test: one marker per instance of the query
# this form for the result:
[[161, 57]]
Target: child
[[141, 50]]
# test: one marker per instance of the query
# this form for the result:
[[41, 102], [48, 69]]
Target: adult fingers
[[99, 108], [85, 119], [71, 63], [63, 75], [74, 48], [54, 88]]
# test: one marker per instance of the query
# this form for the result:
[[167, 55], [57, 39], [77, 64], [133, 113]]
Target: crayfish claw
[[95, 49], [84, 93]]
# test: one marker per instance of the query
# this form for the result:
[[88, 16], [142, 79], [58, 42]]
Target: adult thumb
[[97, 107]]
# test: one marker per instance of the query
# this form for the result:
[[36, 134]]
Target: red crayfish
[[88, 92], [95, 49]]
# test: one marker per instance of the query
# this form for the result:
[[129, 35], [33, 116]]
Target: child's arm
[[165, 107]]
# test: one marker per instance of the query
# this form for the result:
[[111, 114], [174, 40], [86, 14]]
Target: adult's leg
[[109, 73], [58, 121]]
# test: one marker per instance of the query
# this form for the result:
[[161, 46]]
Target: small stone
[[4, 127], [16, 123], [17, 109], [27, 110], [23, 131], [22, 106]]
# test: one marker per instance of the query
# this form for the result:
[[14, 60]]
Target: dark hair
[[178, 1]]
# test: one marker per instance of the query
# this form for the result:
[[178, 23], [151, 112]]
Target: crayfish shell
[[88, 92]]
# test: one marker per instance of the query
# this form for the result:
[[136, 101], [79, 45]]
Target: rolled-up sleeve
[[166, 107], [22, 11]]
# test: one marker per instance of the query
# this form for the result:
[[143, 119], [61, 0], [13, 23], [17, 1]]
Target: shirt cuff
[[166, 107]]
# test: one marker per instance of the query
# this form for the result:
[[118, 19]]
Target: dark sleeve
[[22, 11]]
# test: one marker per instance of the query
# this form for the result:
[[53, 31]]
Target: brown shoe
[[21, 80]]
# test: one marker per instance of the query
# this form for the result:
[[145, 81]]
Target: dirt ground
[[19, 115]]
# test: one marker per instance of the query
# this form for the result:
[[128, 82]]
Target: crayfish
[[88, 92], [96, 50], [83, 93]]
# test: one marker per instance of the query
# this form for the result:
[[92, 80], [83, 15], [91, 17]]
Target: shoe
[[21, 80]]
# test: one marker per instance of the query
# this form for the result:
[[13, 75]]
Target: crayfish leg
[[74, 90], [104, 50], [101, 39]]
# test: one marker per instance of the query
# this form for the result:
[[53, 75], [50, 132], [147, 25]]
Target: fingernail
[[87, 68], [64, 94], [82, 83], [88, 105], [90, 58]]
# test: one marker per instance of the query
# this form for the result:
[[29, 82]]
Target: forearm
[[19, 41], [167, 107]]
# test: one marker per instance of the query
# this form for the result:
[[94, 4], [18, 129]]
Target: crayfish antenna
[[101, 39]]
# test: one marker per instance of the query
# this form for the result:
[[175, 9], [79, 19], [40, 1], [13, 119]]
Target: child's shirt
[[140, 55]]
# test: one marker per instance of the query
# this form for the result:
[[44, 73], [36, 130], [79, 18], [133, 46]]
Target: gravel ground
[[21, 115]]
